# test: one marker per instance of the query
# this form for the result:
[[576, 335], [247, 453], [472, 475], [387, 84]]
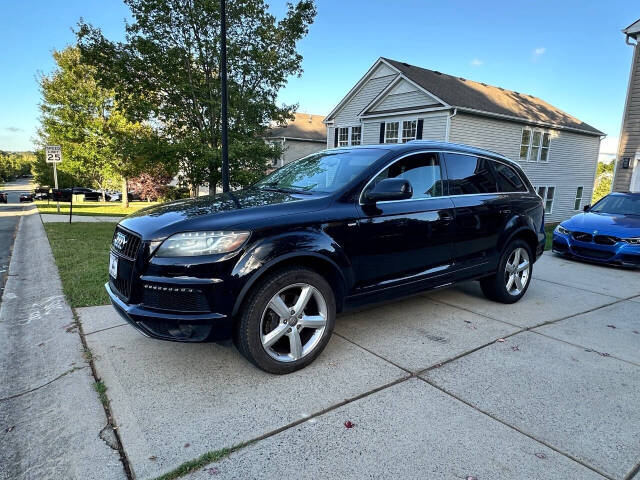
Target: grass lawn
[[549, 229], [81, 251], [98, 209]]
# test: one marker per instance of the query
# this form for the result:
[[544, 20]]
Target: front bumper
[[177, 327], [620, 253]]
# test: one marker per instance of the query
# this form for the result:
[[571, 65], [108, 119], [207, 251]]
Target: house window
[[578, 203], [343, 136], [391, 132], [356, 135], [547, 194], [408, 130], [534, 145]]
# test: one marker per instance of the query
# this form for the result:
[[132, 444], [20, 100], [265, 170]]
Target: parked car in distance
[[607, 232], [41, 193], [117, 197], [26, 197], [334, 230], [4, 198]]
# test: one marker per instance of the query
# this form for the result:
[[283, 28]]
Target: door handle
[[506, 211]]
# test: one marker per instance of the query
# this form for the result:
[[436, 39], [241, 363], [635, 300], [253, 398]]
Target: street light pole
[[223, 85]]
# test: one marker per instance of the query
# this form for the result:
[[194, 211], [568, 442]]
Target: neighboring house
[[397, 102], [627, 169], [304, 135]]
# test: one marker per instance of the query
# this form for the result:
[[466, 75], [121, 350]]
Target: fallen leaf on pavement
[[501, 340], [152, 457], [471, 477], [636, 332], [187, 445], [8, 429], [611, 326], [541, 455], [212, 470], [603, 354], [348, 424], [515, 348]]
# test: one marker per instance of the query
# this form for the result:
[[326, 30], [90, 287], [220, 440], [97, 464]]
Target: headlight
[[193, 244], [560, 229], [632, 241]]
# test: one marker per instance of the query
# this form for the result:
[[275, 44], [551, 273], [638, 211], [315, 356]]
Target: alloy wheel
[[517, 271], [293, 322]]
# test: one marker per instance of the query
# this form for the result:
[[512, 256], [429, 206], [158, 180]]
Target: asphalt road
[[9, 218]]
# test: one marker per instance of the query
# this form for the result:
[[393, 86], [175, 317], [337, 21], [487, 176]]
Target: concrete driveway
[[442, 385]]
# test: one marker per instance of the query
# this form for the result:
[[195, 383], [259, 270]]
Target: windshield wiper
[[276, 188]]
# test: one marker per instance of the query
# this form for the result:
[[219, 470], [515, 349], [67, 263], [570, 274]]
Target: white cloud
[[539, 51], [476, 62]]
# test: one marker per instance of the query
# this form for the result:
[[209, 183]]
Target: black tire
[[247, 330], [495, 286]]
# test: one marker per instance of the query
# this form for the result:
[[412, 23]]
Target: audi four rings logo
[[119, 241]]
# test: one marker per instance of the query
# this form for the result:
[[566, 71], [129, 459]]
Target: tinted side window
[[508, 178], [469, 175], [423, 172]]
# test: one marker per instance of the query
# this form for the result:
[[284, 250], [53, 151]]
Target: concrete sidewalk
[[442, 385], [52, 424]]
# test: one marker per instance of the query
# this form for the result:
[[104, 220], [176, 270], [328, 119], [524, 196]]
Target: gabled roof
[[304, 126], [482, 98], [633, 30]]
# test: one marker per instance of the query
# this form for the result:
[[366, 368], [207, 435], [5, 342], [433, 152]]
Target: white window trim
[[576, 198], [349, 127], [544, 199], [400, 123], [538, 159]]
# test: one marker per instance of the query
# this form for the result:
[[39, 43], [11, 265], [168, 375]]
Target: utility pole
[[223, 85]]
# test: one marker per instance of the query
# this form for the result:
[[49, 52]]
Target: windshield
[[618, 205], [325, 171]]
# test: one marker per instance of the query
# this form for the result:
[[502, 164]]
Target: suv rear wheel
[[287, 321], [512, 280]]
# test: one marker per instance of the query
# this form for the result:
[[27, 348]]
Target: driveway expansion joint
[[493, 417]]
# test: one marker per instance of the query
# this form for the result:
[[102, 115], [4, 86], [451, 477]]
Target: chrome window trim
[[441, 169]]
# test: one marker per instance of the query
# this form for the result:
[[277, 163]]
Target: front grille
[[177, 299], [582, 236], [593, 253], [605, 240], [125, 243], [122, 285]]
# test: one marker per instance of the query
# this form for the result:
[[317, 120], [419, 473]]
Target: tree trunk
[[125, 192]]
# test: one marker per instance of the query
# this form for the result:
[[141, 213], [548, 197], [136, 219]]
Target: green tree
[[167, 70], [604, 177], [100, 145]]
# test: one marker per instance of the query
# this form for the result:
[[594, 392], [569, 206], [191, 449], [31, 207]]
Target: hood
[[221, 211], [623, 226]]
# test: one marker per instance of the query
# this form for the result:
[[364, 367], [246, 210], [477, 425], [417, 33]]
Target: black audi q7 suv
[[330, 231]]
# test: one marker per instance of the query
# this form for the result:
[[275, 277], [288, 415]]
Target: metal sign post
[[53, 154]]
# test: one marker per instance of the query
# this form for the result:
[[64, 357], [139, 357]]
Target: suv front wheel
[[287, 321], [512, 280]]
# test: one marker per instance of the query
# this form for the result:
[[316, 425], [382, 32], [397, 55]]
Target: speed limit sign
[[53, 153]]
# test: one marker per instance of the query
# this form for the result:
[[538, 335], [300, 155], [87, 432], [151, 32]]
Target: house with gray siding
[[397, 102], [302, 136], [627, 168]]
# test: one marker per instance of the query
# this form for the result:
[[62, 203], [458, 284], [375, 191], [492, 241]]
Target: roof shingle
[[467, 94], [304, 126]]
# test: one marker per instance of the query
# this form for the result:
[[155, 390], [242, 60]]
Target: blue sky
[[570, 53]]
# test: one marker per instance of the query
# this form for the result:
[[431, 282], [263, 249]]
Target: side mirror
[[586, 208], [389, 189]]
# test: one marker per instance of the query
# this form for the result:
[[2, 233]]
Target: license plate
[[113, 265]]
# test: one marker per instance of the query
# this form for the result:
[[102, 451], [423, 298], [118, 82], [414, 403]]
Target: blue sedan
[[608, 232]]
